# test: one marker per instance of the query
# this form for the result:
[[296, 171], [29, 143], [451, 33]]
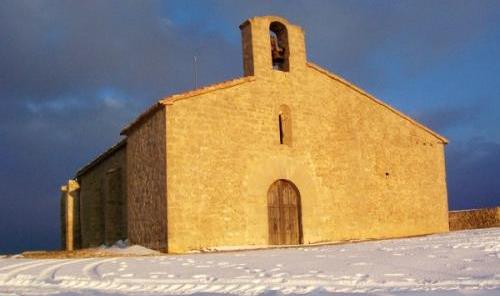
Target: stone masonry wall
[[70, 216], [103, 208], [477, 218], [146, 168], [62, 215]]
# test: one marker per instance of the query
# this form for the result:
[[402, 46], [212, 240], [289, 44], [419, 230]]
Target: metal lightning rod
[[195, 69]]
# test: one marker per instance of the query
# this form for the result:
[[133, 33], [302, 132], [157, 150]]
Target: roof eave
[[170, 100], [101, 157]]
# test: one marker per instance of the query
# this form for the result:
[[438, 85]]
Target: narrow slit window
[[281, 128], [285, 125]]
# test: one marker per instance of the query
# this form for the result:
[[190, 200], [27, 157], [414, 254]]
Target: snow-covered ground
[[459, 263]]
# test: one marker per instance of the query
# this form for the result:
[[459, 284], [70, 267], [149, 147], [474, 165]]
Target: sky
[[74, 73]]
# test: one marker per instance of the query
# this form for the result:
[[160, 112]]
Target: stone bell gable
[[259, 34]]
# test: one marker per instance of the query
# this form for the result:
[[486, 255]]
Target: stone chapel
[[288, 154]]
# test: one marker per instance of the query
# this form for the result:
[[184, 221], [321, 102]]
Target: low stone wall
[[472, 219]]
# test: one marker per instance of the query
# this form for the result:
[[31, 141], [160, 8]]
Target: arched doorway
[[284, 216]]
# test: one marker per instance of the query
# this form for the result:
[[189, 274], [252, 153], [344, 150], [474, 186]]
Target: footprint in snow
[[394, 274], [244, 277], [360, 264], [204, 277], [301, 276], [280, 275], [107, 274], [127, 275], [361, 276]]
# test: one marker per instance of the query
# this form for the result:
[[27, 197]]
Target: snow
[[134, 250], [121, 248], [457, 263]]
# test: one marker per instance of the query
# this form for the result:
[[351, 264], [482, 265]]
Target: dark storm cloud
[[69, 67], [449, 117], [472, 170], [345, 35], [73, 73], [56, 48]]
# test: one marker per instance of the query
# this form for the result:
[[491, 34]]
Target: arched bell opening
[[279, 46]]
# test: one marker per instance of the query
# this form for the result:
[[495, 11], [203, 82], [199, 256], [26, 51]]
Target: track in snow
[[458, 263]]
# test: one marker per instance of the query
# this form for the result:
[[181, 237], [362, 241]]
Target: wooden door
[[283, 204]]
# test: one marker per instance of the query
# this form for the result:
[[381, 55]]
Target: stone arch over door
[[284, 213]]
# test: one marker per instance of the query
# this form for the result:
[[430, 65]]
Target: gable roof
[[369, 96], [101, 157], [170, 100]]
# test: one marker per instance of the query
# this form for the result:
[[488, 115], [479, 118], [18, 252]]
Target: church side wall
[[146, 162], [101, 215], [362, 171]]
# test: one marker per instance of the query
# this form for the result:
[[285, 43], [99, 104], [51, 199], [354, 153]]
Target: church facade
[[287, 154]]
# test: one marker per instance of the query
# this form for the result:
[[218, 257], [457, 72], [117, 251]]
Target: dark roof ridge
[[101, 157]]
